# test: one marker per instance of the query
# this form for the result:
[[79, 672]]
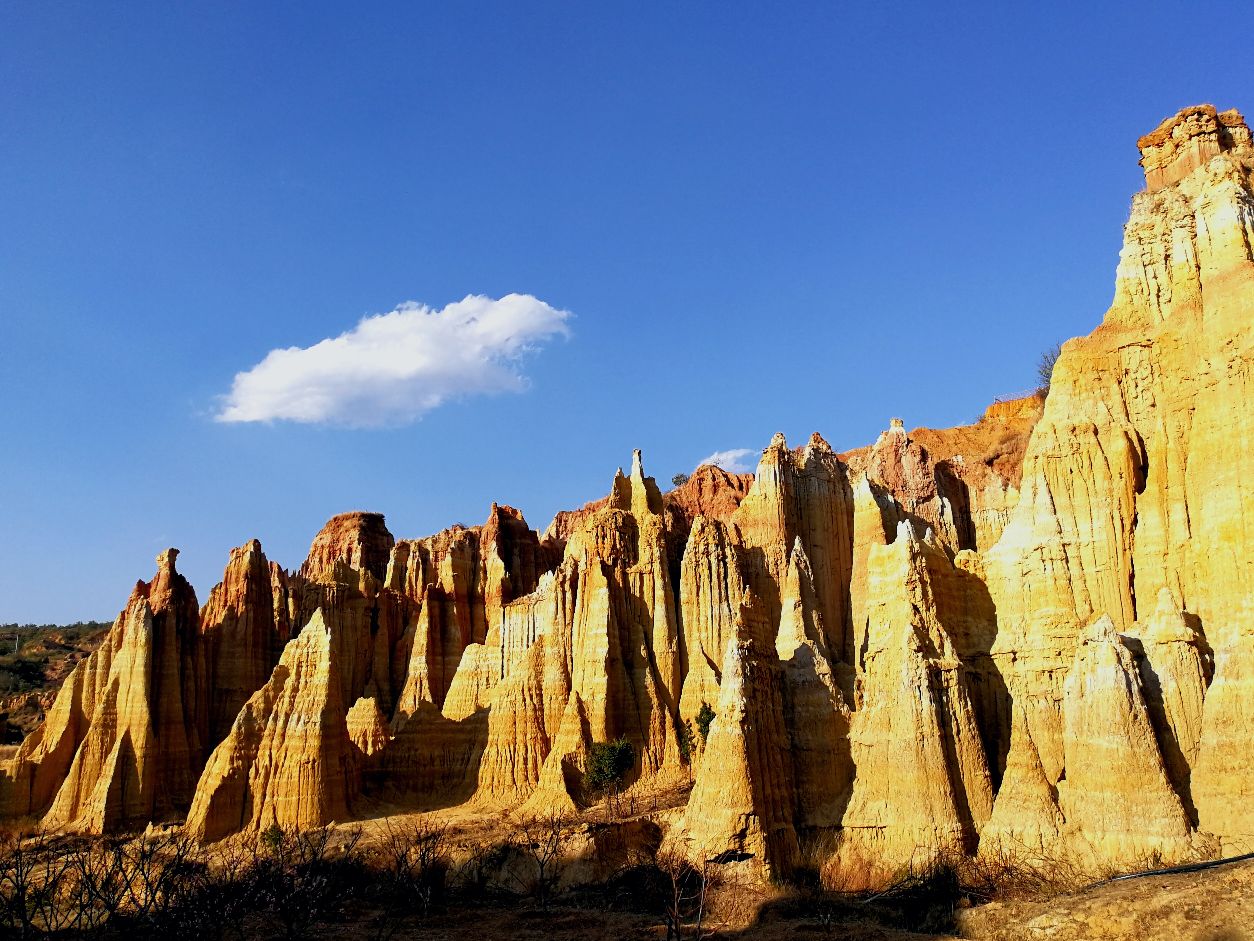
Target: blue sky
[[736, 219]]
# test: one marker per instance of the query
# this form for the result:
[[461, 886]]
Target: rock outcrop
[[123, 743], [246, 623], [1031, 634], [1188, 141], [921, 784], [288, 759], [1132, 483], [1135, 813], [742, 805]]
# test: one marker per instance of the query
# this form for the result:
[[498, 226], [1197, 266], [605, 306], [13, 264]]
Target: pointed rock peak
[[501, 517], [636, 493], [819, 443], [799, 620], [701, 530], [1188, 140], [169, 590], [358, 540], [1168, 624], [244, 555], [1166, 602], [906, 533], [316, 623], [775, 458], [798, 556], [165, 561], [367, 728], [894, 436], [862, 487], [753, 623], [1100, 631]]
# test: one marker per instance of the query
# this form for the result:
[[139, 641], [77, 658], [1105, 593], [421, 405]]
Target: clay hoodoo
[[921, 782], [288, 758], [1133, 481], [944, 641], [123, 743], [245, 623], [743, 801]]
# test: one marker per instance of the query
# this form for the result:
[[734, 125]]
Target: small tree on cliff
[[679, 480], [1045, 369], [609, 763], [705, 715]]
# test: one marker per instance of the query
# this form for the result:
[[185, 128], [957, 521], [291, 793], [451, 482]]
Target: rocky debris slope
[[1029, 635]]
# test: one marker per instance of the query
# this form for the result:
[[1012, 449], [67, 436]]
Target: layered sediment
[[1030, 634]]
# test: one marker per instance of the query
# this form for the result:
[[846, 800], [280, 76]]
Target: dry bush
[[411, 862], [36, 897], [1045, 368], [1017, 873], [925, 895], [478, 871], [686, 894], [416, 860], [57, 884], [737, 895], [301, 878], [541, 841]]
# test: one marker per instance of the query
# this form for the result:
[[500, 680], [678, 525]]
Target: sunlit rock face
[[1135, 482], [288, 759], [124, 741], [1029, 634]]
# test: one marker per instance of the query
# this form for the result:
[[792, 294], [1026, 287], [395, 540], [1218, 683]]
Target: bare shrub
[[416, 860], [684, 903], [481, 863], [411, 861], [542, 842], [50, 885], [1045, 368], [35, 896], [299, 878]]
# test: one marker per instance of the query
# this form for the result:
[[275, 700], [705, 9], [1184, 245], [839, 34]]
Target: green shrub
[[705, 715], [272, 838], [608, 765], [686, 739]]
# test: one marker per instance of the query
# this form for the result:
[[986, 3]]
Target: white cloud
[[392, 368], [733, 460]]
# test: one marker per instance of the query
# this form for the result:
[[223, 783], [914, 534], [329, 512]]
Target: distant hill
[[34, 660]]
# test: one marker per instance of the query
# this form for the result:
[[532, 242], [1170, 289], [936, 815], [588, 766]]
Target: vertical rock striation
[[945, 640]]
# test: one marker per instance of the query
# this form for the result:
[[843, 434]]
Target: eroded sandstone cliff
[[1031, 634]]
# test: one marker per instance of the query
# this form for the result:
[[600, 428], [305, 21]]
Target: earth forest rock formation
[[1034, 633]]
